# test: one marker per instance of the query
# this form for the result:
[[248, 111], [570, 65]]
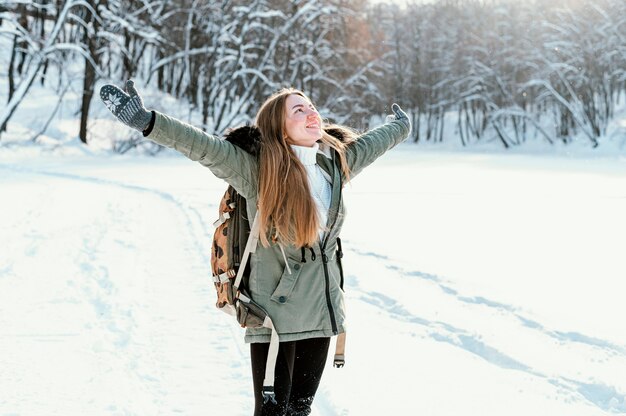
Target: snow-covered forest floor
[[477, 284], [479, 281]]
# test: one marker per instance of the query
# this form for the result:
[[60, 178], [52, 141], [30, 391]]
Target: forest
[[472, 70]]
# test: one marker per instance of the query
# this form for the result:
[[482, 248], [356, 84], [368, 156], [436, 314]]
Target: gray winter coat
[[308, 302]]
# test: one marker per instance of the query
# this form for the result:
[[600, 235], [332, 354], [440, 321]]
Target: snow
[[478, 281], [97, 312], [499, 291]]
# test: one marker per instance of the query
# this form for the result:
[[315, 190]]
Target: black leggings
[[299, 368]]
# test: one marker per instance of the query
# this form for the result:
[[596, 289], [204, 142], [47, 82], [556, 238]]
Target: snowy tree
[[504, 69], [34, 49], [501, 70]]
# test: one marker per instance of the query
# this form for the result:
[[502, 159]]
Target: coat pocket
[[287, 283]]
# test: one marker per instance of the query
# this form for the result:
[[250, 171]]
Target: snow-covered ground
[[479, 281], [477, 284]]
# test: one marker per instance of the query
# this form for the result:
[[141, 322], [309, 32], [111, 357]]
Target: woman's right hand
[[128, 108]]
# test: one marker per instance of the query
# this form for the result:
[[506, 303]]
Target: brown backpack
[[232, 232]]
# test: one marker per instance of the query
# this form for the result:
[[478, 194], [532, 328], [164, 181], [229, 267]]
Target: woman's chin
[[308, 139], [317, 133]]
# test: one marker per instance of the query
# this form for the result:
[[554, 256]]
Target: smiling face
[[303, 124]]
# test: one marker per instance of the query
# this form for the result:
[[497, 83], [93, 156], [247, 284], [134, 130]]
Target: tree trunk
[[88, 86], [41, 14], [3, 127], [89, 79], [22, 21]]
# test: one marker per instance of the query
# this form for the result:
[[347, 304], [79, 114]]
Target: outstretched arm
[[225, 160], [371, 145]]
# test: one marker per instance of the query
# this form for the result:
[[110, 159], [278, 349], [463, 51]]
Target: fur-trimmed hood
[[248, 138]]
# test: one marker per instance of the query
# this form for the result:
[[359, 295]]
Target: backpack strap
[[340, 348], [340, 351], [251, 244], [270, 364], [272, 355]]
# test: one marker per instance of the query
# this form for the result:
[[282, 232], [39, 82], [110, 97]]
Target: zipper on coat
[[322, 244], [333, 321]]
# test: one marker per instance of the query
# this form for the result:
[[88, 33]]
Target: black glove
[[128, 108]]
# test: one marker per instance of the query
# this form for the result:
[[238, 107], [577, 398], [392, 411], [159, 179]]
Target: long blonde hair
[[286, 207]]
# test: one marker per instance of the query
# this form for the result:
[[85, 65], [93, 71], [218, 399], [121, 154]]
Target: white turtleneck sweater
[[320, 187]]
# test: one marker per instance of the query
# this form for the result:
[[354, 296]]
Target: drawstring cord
[[282, 250], [302, 253]]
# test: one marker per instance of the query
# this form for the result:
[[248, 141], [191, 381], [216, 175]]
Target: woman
[[295, 184]]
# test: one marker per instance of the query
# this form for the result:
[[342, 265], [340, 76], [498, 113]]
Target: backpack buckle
[[269, 395], [222, 219], [339, 361]]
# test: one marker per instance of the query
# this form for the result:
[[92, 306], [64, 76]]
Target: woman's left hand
[[399, 114]]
